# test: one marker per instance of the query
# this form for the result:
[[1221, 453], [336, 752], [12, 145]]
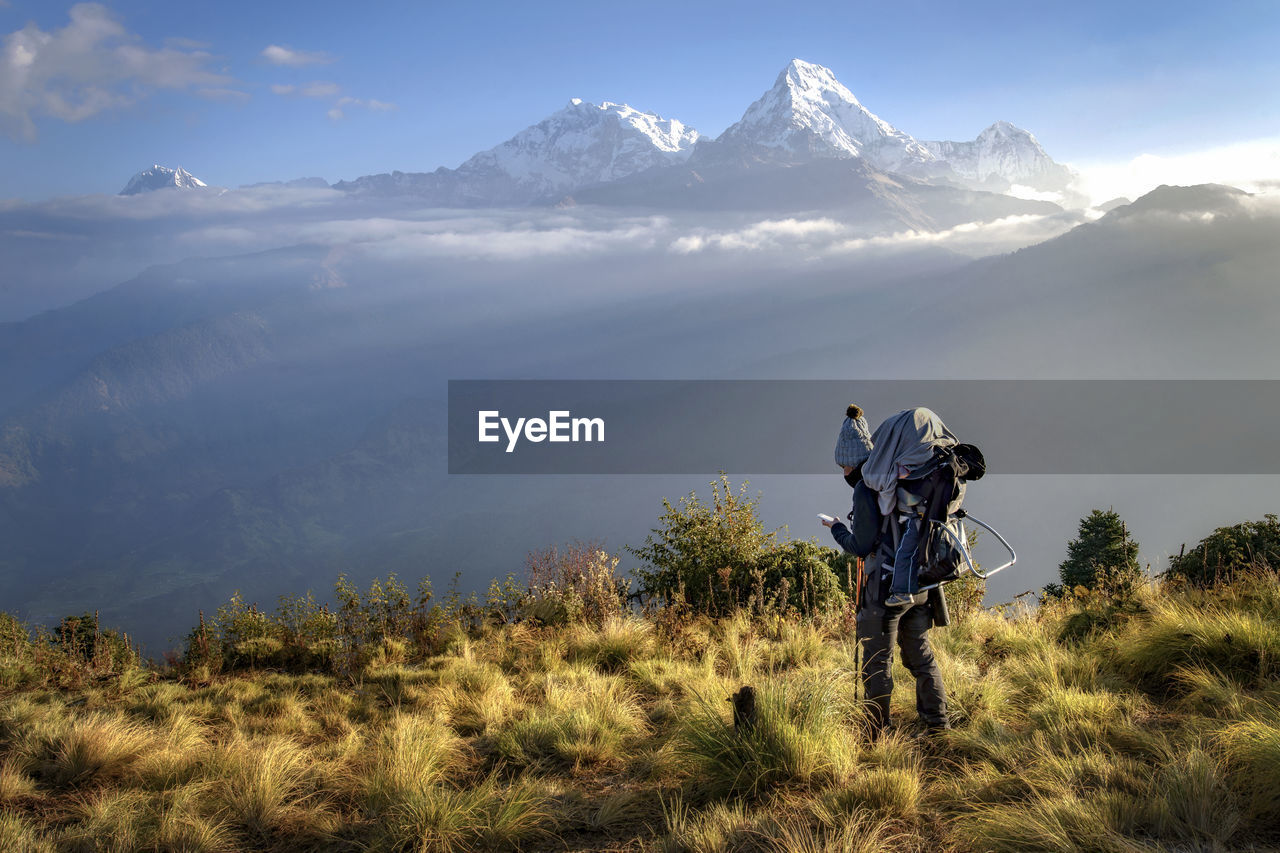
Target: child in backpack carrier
[[905, 470]]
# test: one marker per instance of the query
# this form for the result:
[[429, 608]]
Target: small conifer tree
[[1102, 556]]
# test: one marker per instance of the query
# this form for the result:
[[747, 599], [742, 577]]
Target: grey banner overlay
[[1198, 427]]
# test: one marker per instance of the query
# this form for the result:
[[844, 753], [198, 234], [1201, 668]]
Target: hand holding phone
[[826, 520]]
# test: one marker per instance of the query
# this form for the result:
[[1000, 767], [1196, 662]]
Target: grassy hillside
[[1087, 724]]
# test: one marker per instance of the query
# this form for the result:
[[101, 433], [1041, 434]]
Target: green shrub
[[717, 558], [702, 553], [575, 583], [1230, 550]]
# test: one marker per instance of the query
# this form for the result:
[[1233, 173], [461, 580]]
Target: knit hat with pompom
[[854, 444]]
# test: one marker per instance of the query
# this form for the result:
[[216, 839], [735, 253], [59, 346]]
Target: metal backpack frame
[[957, 539]]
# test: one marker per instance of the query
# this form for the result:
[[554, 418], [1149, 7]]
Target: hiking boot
[[899, 599]]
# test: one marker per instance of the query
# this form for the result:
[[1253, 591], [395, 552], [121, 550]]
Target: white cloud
[[278, 54], [319, 89], [1033, 194], [827, 237], [370, 104], [1253, 166], [314, 89], [975, 239], [766, 234], [91, 65]]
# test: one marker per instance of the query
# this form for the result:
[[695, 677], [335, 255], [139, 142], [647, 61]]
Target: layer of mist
[[262, 406]]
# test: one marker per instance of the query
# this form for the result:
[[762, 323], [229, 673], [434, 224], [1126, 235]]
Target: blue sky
[[363, 88]]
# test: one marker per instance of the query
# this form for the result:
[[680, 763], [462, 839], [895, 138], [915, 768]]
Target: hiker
[[853, 446], [880, 627]]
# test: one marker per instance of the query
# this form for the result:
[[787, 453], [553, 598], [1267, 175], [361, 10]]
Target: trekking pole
[[857, 643]]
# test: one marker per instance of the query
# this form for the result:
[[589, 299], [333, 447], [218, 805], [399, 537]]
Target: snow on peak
[[1003, 154], [584, 143], [810, 114], [161, 177]]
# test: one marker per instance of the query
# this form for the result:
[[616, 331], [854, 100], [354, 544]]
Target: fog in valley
[[209, 391]]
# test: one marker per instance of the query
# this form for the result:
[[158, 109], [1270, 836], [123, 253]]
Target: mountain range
[[806, 122]]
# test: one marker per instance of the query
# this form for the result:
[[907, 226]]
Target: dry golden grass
[[1161, 732]]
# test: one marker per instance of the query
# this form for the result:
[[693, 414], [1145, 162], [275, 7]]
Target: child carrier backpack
[[947, 553]]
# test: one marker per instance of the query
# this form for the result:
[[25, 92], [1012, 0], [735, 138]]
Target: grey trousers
[[878, 631]]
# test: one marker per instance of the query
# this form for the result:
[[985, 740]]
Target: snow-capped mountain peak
[[161, 177], [577, 146], [1002, 155], [584, 143], [810, 114]]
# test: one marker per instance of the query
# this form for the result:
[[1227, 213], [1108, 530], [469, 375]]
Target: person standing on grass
[[881, 627]]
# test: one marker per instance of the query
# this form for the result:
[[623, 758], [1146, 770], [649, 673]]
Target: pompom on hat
[[854, 444]]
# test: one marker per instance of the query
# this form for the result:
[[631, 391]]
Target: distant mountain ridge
[[579, 145], [806, 117]]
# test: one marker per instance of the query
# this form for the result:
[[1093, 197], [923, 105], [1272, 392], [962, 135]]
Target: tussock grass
[[583, 718], [158, 702], [741, 652], [17, 833], [15, 784], [1158, 731], [108, 820], [412, 754], [96, 748], [860, 832], [1201, 690], [1194, 801], [176, 756], [1237, 644], [890, 792], [484, 816], [475, 696], [801, 738], [618, 641], [266, 789], [722, 828], [1063, 823], [1252, 749], [799, 644], [410, 789]]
